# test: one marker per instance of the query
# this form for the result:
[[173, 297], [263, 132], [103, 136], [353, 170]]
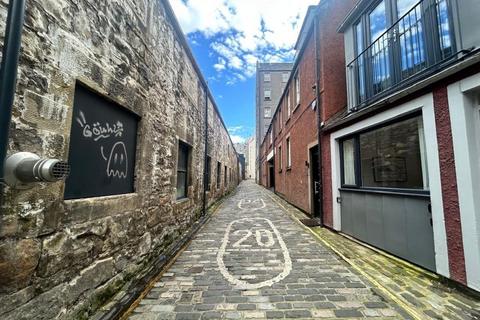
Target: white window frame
[[267, 95], [267, 77], [297, 90], [289, 104], [267, 112], [289, 153], [271, 137], [280, 158], [285, 77]]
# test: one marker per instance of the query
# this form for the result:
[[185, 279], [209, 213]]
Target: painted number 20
[[258, 235]]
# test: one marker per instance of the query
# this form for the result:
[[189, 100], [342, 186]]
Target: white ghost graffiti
[[117, 162]]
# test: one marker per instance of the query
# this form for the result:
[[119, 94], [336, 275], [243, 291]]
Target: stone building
[[271, 80], [66, 249]]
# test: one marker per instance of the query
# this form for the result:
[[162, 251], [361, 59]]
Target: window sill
[[296, 108], [289, 168], [280, 171], [182, 200], [288, 120], [393, 192]]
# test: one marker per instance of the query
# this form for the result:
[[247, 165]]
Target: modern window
[[271, 137], [219, 174], [267, 77], [392, 156], [182, 170], [396, 40], [209, 172], [285, 77], [267, 112], [289, 154], [297, 89], [267, 94]]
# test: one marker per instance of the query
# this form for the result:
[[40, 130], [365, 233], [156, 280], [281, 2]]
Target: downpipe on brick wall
[[319, 119], [8, 76]]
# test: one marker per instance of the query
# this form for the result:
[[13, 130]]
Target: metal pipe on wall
[[319, 116], [8, 76], [205, 164]]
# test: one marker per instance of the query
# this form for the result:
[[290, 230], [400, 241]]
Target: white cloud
[[245, 31], [238, 139]]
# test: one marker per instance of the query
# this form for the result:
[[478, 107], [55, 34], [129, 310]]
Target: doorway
[[315, 181], [271, 174]]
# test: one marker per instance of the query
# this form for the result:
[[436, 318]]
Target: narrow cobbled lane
[[252, 261]]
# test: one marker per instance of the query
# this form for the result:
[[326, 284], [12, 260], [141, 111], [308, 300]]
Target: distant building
[[271, 81], [250, 158], [241, 158]]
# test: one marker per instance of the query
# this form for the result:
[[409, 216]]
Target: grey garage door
[[398, 224]]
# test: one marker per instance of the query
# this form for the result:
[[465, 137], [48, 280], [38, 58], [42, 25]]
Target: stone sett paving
[[252, 261]]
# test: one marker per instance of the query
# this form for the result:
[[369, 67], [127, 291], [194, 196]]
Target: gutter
[[205, 162], [8, 76], [319, 120]]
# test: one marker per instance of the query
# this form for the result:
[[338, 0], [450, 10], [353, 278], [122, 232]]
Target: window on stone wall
[[267, 77], [225, 176], [289, 154], [285, 77], [182, 170], [209, 172], [219, 174]]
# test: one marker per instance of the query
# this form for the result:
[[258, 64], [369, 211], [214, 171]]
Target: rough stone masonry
[[62, 259]]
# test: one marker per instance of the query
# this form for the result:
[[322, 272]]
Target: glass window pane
[[444, 28], [182, 157], [349, 162], [360, 62], [391, 156], [379, 52], [181, 185], [411, 36]]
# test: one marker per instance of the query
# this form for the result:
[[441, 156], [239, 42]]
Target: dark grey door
[[398, 224]]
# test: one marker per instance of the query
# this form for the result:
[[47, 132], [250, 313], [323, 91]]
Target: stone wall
[[64, 258]]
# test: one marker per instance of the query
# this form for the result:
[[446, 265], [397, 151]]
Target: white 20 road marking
[[241, 202], [270, 242]]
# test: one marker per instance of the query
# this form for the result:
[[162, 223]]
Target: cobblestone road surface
[[252, 261]]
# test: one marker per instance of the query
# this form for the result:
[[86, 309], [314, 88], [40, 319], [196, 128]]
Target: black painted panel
[[102, 147]]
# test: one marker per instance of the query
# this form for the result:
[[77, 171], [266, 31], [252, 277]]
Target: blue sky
[[228, 37]]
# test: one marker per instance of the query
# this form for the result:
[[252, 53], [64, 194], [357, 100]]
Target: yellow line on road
[[385, 290]]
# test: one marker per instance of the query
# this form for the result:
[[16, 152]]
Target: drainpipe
[[8, 76], [205, 163], [319, 103]]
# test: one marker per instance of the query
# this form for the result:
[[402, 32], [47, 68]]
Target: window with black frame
[[219, 174], [388, 157], [182, 170], [397, 39]]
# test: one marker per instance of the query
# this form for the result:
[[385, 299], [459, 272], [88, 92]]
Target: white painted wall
[[425, 104], [463, 99]]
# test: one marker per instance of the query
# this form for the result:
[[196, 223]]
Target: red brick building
[[290, 152]]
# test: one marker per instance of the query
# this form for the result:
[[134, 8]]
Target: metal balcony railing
[[418, 41]]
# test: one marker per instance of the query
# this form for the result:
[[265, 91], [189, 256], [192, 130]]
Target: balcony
[[416, 45]]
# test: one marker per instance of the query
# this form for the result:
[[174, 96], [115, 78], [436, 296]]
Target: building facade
[[290, 154], [405, 152], [399, 130], [120, 97], [270, 83], [251, 158]]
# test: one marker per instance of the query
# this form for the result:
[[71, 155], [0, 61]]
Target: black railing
[[419, 40]]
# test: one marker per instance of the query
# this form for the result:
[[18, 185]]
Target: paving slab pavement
[[253, 261]]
